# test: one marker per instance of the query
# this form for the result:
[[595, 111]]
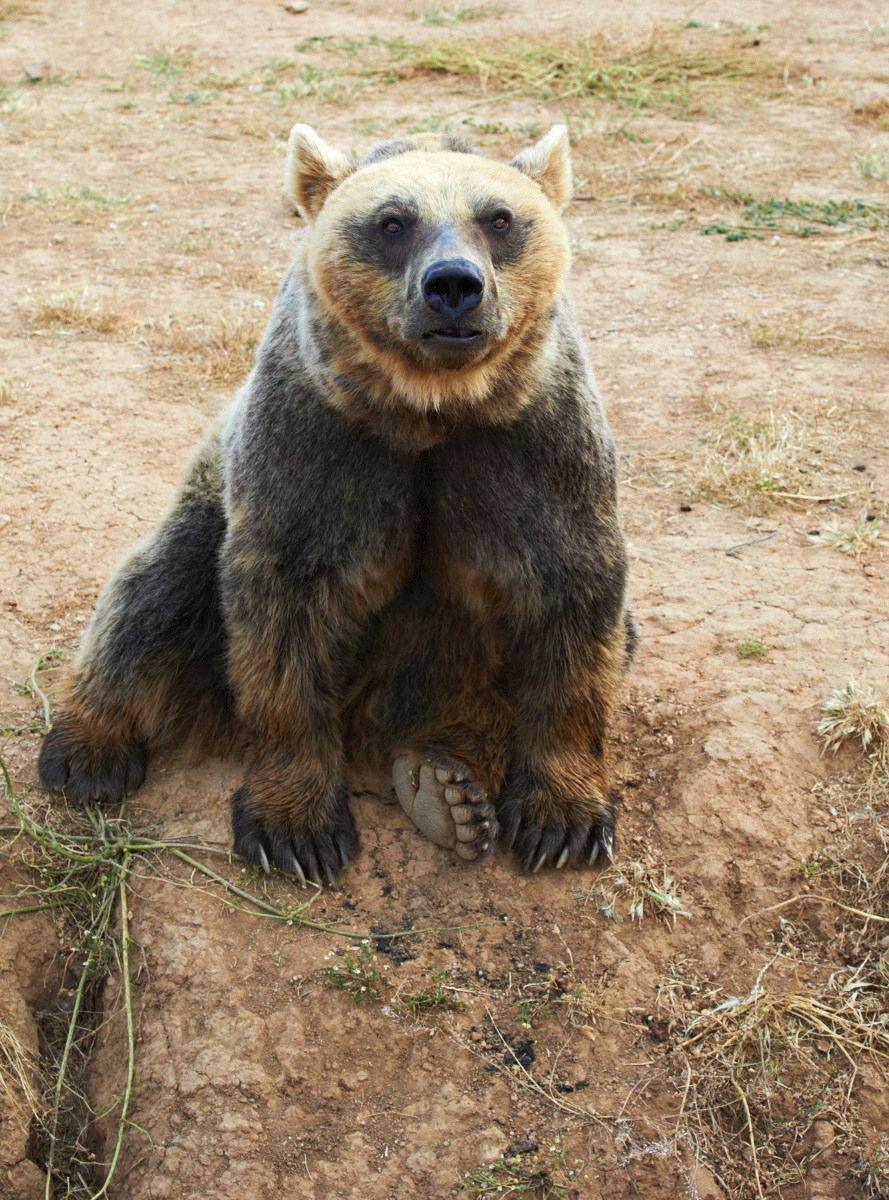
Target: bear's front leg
[[564, 673], [289, 636]]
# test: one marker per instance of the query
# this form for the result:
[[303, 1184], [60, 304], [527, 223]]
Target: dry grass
[[797, 454], [73, 312], [19, 1078], [219, 351], [667, 70], [860, 712], [634, 889], [873, 110], [760, 1073], [768, 1078], [6, 389], [73, 204], [874, 165], [757, 1071], [757, 458], [860, 539], [829, 339]]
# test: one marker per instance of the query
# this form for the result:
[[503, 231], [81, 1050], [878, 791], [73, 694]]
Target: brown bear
[[399, 546]]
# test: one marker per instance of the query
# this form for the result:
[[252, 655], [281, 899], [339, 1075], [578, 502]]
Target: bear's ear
[[548, 162], [312, 171]]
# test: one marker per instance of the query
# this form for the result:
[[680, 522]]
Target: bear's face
[[437, 261]]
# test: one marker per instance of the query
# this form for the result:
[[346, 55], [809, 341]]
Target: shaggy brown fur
[[403, 538]]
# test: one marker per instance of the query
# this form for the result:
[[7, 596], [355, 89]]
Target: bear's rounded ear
[[312, 171], [548, 162]]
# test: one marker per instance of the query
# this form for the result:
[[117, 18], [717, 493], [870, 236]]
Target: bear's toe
[[441, 798]]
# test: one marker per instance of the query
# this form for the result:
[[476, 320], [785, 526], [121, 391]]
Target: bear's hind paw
[[440, 797]]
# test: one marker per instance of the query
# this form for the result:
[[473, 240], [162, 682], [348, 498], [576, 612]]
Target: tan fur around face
[[365, 301]]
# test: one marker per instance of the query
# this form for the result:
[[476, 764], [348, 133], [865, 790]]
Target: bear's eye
[[501, 221], [392, 227]]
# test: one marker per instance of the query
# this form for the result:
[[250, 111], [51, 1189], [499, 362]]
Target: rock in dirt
[[703, 1185], [296, 6], [26, 1182], [36, 72]]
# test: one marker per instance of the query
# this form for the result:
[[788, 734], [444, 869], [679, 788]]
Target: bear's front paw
[[270, 837], [89, 768], [545, 828]]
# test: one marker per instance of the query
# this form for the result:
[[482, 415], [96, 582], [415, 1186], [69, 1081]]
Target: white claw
[[263, 858], [297, 870], [539, 863], [608, 846], [562, 859], [594, 853]]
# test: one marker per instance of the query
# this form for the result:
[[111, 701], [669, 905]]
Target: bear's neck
[[418, 408]]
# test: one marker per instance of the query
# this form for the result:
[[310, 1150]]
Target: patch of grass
[[756, 460], [532, 1176], [350, 46], [874, 165], [6, 389], [724, 27], [752, 648], [93, 197], [193, 99], [357, 975], [828, 340], [666, 70], [73, 312], [81, 200], [35, 195], [436, 996], [220, 83], [762, 218], [871, 1170], [43, 75], [442, 14], [164, 61], [19, 1078], [859, 539], [637, 887], [219, 351], [859, 711], [288, 81], [486, 127], [872, 111], [758, 1070]]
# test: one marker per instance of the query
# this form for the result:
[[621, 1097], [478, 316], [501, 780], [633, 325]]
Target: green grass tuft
[[165, 61], [442, 14], [752, 648], [762, 218], [357, 975], [436, 995]]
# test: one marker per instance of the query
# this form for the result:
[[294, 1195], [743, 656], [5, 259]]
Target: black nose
[[453, 287]]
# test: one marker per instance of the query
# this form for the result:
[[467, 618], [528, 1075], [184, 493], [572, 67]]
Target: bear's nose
[[453, 287]]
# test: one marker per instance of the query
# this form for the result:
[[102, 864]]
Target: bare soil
[[158, 194]]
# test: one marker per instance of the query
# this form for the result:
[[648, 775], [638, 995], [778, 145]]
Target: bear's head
[[443, 267]]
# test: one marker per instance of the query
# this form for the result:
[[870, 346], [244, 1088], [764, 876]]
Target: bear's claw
[[70, 764], [309, 855]]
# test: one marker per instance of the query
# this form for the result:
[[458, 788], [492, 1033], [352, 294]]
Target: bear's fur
[[403, 534]]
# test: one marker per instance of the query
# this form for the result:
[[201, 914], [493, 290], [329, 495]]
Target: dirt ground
[[142, 236]]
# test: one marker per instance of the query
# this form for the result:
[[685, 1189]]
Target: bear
[[400, 546]]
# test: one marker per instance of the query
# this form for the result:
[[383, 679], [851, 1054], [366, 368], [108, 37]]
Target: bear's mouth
[[451, 335]]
